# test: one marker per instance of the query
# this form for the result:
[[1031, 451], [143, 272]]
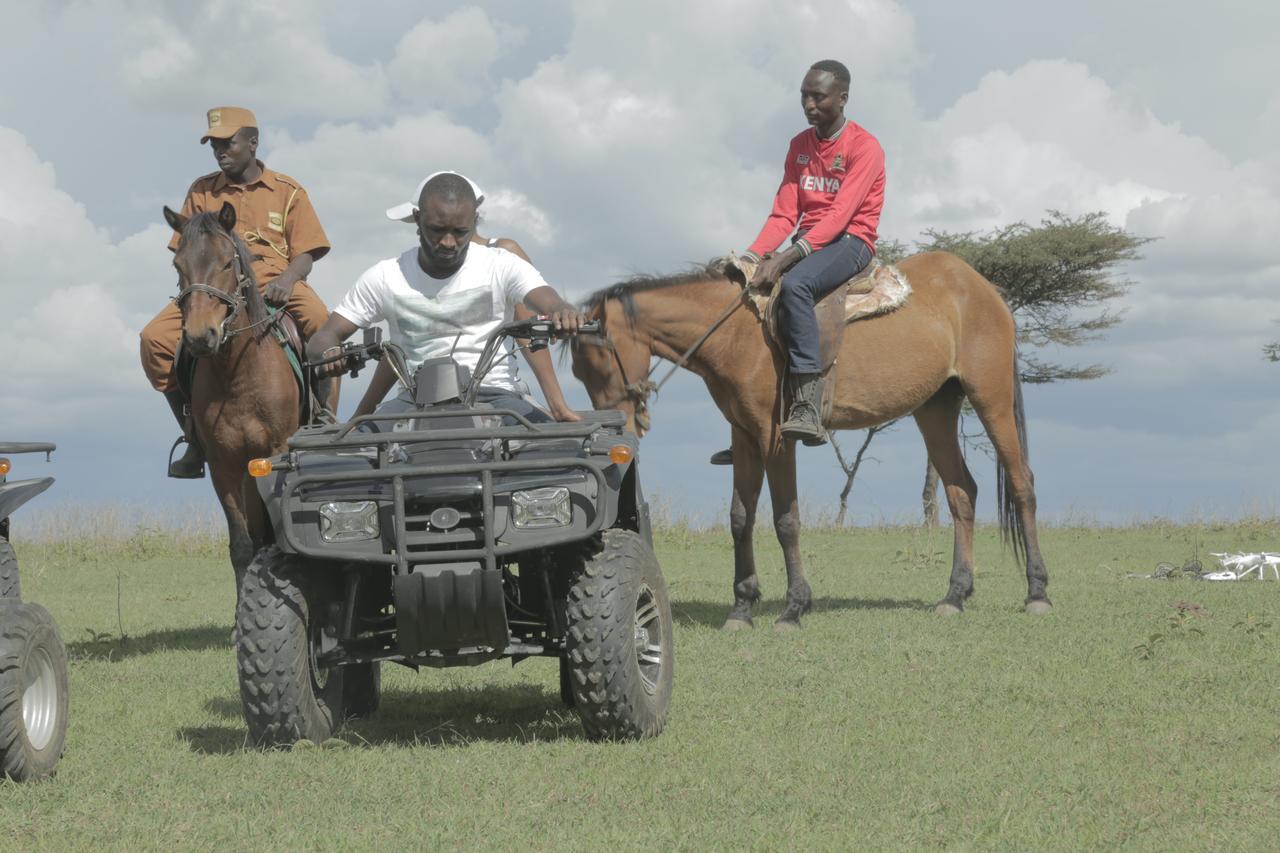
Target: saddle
[[285, 331], [878, 289]]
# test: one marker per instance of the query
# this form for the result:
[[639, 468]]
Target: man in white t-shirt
[[446, 296]]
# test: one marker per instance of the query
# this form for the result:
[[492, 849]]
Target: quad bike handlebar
[[27, 447]]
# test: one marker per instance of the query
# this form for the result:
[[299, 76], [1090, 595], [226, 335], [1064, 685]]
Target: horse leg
[[938, 420], [228, 482], [748, 476], [780, 467], [999, 407]]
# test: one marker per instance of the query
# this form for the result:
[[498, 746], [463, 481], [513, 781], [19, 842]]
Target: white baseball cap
[[405, 212]]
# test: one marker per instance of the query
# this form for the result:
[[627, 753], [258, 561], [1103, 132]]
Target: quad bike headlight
[[349, 521], [534, 508]]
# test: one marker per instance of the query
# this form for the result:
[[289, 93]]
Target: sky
[[617, 137]]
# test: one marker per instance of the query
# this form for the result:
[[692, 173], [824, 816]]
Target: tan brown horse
[[244, 398], [954, 338]]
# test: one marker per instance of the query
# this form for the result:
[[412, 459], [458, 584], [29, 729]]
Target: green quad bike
[[33, 661], [450, 534]]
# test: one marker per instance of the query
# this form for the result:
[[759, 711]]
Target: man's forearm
[[383, 379], [299, 268], [322, 340], [545, 372], [547, 303]]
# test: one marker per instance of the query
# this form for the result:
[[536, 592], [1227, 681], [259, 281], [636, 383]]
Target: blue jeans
[[804, 285]]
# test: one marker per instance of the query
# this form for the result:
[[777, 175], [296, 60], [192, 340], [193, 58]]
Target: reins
[[638, 392]]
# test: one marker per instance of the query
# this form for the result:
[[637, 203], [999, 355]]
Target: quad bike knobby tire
[[620, 656], [9, 587], [286, 695], [33, 692]]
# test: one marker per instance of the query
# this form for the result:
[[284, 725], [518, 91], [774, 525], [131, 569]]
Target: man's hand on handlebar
[[546, 327], [341, 358], [567, 320], [333, 361]]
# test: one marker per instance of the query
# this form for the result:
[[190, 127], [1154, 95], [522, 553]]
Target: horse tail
[[1012, 532]]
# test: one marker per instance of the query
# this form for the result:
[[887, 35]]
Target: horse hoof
[[946, 608], [1039, 607], [732, 624], [781, 627]]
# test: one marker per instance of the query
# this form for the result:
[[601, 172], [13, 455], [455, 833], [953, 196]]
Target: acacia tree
[[1058, 278]]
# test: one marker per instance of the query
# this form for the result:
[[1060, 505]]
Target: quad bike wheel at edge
[[620, 658], [33, 692], [9, 585], [286, 695]]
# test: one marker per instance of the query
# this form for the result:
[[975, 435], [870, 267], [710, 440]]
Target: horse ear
[[176, 220], [227, 216]]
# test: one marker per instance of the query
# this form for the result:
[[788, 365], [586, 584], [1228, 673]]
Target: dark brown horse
[[244, 398], [954, 338]]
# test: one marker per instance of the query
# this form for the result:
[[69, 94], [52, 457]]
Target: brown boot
[[191, 464], [804, 422]]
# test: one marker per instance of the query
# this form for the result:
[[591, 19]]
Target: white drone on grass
[[1239, 566]]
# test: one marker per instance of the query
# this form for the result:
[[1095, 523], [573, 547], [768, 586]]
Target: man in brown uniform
[[276, 220]]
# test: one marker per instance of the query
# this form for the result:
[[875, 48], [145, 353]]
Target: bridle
[[236, 300], [639, 391]]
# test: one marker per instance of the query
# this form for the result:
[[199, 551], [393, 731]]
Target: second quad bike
[[33, 660]]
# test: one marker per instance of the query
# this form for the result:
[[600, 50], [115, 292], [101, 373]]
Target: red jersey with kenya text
[[829, 187]]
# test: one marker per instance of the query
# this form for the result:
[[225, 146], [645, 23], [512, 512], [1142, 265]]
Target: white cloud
[[275, 57], [509, 211], [1227, 231], [73, 299], [1052, 135], [448, 61]]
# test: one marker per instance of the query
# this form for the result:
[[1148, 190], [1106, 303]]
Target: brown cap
[[225, 121]]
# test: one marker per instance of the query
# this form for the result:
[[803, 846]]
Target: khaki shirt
[[274, 216]]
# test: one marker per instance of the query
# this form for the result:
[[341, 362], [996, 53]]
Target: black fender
[[633, 510], [14, 494]]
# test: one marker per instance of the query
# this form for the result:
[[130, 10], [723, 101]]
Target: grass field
[[1142, 713]]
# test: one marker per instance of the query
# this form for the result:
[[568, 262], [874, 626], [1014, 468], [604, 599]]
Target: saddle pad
[[877, 289]]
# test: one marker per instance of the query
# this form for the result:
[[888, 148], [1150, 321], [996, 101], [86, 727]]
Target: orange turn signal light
[[5, 467], [259, 467], [620, 454]]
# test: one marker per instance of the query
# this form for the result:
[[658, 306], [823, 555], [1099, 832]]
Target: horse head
[[215, 283], [614, 365]]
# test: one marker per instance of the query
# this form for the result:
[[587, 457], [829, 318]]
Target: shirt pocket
[[265, 241]]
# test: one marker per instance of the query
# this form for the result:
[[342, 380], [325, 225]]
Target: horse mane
[[207, 223], [624, 291]]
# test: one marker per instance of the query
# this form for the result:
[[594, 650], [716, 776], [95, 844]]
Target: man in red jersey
[[831, 194]]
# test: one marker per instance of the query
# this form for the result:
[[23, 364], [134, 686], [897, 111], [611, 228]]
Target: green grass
[[879, 725]]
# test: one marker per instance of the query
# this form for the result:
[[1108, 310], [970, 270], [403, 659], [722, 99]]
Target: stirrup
[[199, 475]]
